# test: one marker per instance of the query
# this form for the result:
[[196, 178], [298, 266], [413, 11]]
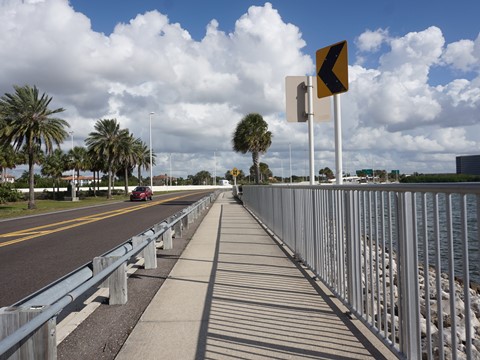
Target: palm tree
[[78, 160], [97, 164], [252, 135], [265, 172], [53, 166], [127, 156], [29, 122], [142, 154], [8, 160], [105, 141]]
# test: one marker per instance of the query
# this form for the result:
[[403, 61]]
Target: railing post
[[354, 251], [42, 344], [408, 279]]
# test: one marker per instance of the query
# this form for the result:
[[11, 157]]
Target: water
[[430, 236], [471, 217]]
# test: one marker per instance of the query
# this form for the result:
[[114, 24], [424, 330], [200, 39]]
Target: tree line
[[31, 133]]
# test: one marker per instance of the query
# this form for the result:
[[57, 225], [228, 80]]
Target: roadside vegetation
[[438, 178], [20, 208]]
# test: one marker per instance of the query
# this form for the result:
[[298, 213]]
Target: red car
[[141, 193]]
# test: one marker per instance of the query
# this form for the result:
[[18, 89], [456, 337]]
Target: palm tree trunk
[[126, 181], [109, 192], [98, 180], [255, 159], [77, 187], [139, 175], [31, 182], [94, 189]]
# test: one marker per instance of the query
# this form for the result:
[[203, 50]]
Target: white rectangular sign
[[296, 101]]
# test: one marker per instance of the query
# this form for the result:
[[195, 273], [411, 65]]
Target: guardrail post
[[178, 228], [168, 239], [117, 282], [185, 223], [42, 344], [149, 253]]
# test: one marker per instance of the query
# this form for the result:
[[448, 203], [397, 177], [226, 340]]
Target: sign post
[[332, 79], [234, 173], [302, 106], [310, 129]]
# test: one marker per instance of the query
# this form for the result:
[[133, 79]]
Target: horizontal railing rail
[[404, 258], [27, 328]]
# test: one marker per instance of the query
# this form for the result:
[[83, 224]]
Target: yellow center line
[[27, 234]]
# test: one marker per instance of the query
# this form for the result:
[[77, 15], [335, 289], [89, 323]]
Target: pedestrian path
[[235, 294]]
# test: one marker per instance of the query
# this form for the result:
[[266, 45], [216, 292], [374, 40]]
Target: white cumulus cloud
[[199, 89]]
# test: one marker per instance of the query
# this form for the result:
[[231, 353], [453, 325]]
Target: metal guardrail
[[21, 323], [401, 257]]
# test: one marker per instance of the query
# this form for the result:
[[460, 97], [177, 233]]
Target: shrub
[[9, 194]]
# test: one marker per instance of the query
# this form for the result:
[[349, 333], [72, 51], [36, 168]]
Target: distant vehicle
[[224, 182], [141, 193]]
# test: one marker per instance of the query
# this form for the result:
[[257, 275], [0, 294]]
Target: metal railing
[[27, 328], [405, 259]]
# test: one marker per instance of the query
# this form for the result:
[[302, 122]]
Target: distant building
[[81, 180], [469, 164], [9, 178]]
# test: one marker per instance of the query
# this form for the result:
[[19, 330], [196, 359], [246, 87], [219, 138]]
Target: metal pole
[[290, 151], [338, 139], [215, 168], [310, 129], [151, 169], [73, 173]]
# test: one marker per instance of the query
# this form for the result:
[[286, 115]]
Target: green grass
[[18, 209]]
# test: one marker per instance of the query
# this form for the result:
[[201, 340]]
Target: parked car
[[141, 193]]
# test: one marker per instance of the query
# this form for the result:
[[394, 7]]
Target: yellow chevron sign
[[234, 172], [332, 69]]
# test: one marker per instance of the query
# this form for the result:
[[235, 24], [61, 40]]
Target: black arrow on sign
[[326, 70]]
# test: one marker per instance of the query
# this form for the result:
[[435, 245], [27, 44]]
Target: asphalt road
[[37, 250]]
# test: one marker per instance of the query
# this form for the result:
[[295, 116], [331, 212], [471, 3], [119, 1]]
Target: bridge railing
[[405, 259], [27, 328]]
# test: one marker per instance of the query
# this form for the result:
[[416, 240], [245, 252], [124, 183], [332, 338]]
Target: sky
[[413, 67]]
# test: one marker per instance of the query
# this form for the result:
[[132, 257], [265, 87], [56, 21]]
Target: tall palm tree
[[97, 164], [142, 153], [29, 122], [78, 160], [105, 141], [53, 167], [127, 157], [252, 135]]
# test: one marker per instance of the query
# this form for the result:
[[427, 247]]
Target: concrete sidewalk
[[234, 293]]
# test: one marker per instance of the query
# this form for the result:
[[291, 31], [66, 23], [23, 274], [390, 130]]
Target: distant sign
[[296, 101], [234, 172], [332, 70]]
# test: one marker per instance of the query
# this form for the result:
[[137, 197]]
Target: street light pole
[[151, 168], [215, 168], [73, 173]]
